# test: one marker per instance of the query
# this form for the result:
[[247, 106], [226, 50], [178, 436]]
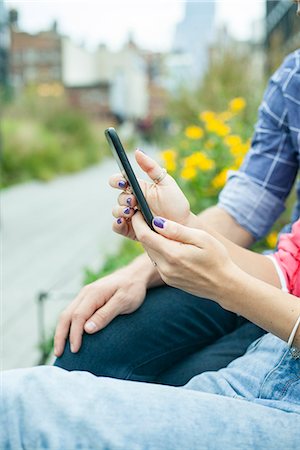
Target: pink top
[[288, 258]]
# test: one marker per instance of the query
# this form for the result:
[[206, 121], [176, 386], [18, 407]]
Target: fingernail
[[90, 326], [72, 348], [55, 351], [128, 201], [159, 222], [127, 211], [140, 150], [122, 184], [119, 221]]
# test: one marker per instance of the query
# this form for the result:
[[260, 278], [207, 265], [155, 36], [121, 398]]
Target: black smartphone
[[128, 173]]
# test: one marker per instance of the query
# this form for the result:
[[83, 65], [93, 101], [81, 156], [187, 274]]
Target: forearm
[[254, 264], [219, 220], [265, 305], [212, 221]]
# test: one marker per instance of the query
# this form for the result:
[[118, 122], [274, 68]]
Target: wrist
[[193, 221], [231, 288], [142, 269]]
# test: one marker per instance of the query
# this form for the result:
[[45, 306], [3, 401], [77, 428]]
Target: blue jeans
[[254, 403], [171, 338]]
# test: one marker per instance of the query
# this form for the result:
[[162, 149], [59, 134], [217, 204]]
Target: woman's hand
[[165, 198], [187, 258], [97, 304]]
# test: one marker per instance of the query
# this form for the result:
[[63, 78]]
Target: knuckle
[[102, 317], [142, 236], [123, 300], [176, 233], [76, 316], [121, 198]]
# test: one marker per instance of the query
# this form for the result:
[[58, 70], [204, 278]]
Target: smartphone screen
[[128, 173]]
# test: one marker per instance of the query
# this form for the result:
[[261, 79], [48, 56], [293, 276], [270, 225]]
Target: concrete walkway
[[50, 232]]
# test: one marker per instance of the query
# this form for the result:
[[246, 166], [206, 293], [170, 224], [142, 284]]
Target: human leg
[[170, 325], [213, 357], [47, 407]]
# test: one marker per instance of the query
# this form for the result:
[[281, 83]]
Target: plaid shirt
[[255, 195]]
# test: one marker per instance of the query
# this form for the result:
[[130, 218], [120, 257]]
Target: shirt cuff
[[252, 206]]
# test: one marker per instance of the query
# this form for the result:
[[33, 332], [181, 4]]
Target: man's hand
[[164, 199], [96, 305]]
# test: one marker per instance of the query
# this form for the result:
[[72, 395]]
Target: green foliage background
[[43, 138]]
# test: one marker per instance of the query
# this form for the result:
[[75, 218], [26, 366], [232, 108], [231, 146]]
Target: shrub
[[44, 138]]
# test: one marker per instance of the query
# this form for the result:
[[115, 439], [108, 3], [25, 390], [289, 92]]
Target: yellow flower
[[206, 116], [218, 127], [239, 161], [220, 180], [200, 161], [239, 150], [207, 164], [188, 173], [232, 140], [237, 104], [272, 239], [169, 159], [194, 132]]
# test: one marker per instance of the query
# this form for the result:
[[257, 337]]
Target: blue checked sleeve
[[255, 194]]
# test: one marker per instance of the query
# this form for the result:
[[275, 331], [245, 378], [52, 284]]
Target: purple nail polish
[[140, 150], [128, 201], [119, 221], [127, 211], [122, 184], [159, 222]]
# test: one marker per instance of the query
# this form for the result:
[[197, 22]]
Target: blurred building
[[36, 59], [105, 82], [126, 84], [129, 95], [282, 31], [4, 49], [191, 41], [87, 88]]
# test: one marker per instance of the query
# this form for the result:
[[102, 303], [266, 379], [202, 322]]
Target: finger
[[147, 237], [121, 226], [104, 315], [79, 316], [117, 181], [151, 167], [125, 199], [180, 233], [61, 334], [120, 211], [63, 326]]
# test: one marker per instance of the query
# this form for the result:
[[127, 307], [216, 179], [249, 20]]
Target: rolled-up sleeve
[[255, 194], [253, 207]]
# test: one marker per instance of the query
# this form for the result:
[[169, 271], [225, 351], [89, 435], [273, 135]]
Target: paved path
[[50, 232]]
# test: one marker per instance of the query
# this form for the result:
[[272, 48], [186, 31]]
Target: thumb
[[103, 316], [151, 167], [180, 233]]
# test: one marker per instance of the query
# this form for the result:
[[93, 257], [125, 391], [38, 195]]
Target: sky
[[152, 22]]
